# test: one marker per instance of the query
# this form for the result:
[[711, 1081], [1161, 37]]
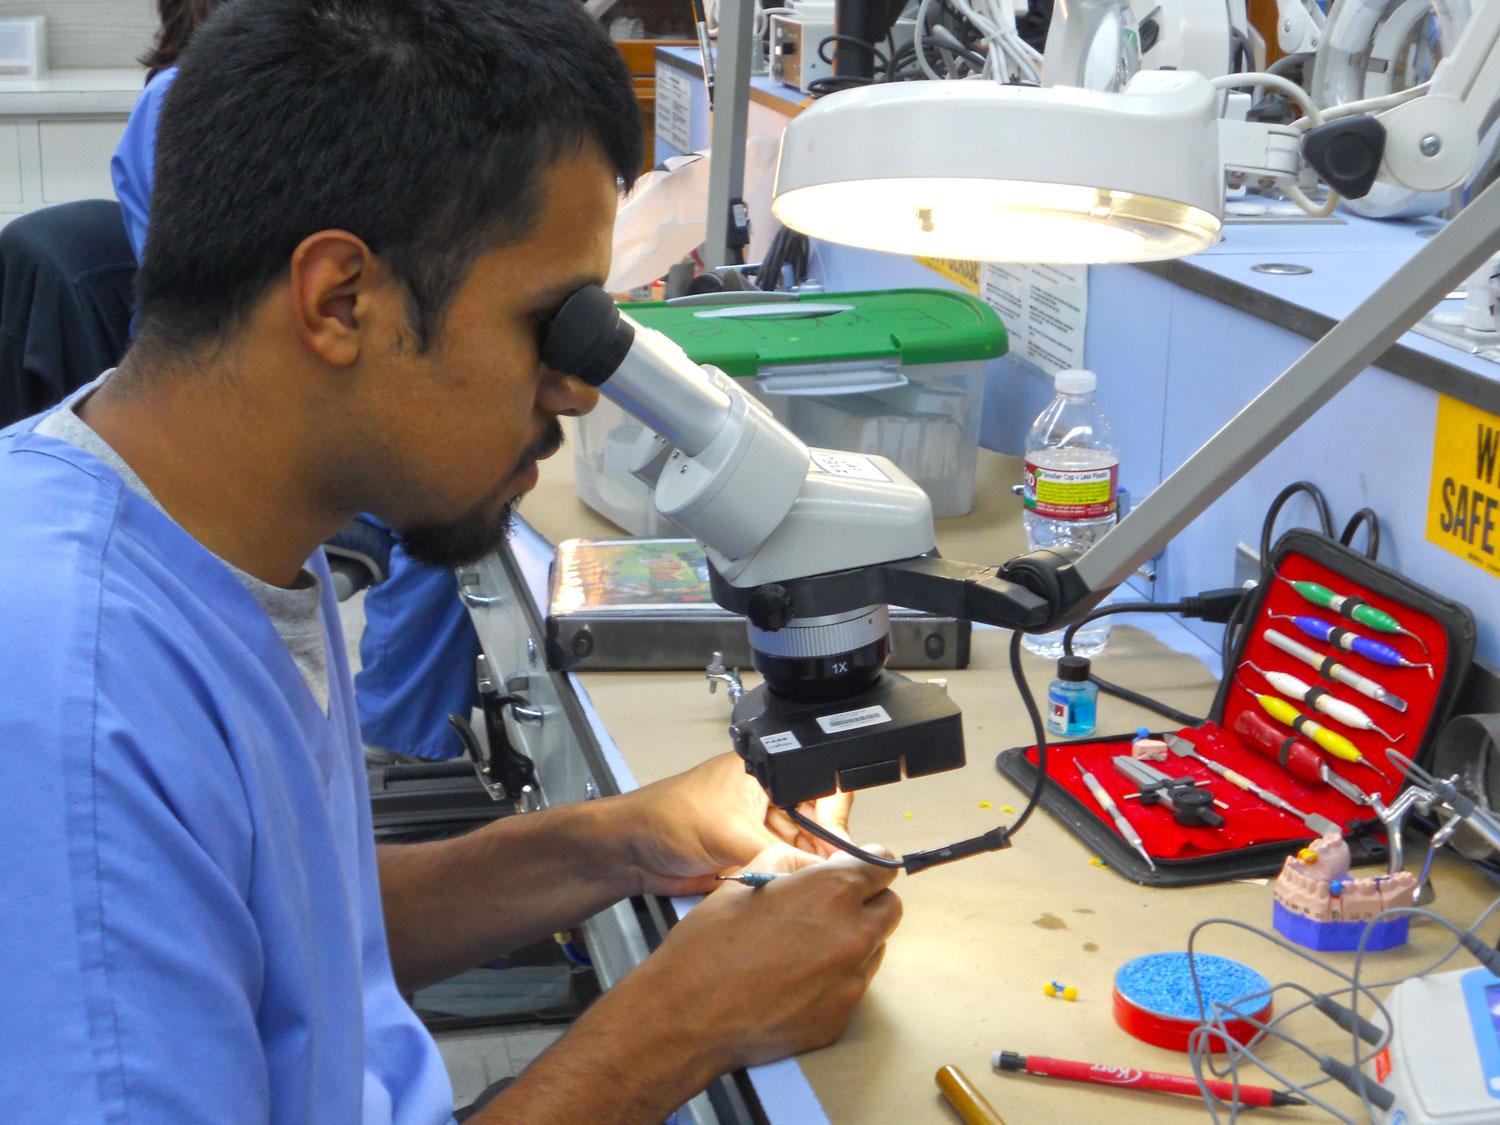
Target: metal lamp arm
[[1326, 368]]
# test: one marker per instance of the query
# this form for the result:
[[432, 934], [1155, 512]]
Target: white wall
[[91, 33]]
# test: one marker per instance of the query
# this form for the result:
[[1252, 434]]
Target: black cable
[[834, 83], [810, 825], [1038, 730], [995, 838], [1241, 56], [877, 56], [1267, 528], [1108, 687], [1371, 522]]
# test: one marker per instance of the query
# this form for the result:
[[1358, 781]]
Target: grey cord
[[1216, 1015]]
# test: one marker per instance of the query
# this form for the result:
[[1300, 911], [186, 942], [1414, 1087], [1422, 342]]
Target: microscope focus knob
[[769, 607]]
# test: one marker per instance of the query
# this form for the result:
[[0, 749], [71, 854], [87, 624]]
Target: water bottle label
[[1071, 494]]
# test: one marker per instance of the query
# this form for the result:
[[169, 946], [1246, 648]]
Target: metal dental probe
[[1315, 821], [1107, 803]]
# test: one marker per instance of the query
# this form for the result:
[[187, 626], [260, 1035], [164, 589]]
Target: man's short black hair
[[421, 126]]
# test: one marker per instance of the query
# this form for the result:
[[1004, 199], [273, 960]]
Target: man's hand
[[778, 969], [749, 976], [714, 819]]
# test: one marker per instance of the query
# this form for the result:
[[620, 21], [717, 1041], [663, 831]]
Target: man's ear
[[333, 277]]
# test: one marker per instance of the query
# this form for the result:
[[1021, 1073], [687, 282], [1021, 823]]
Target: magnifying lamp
[[976, 170]]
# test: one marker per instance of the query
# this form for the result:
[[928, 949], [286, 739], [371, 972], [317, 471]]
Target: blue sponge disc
[[1155, 1000]]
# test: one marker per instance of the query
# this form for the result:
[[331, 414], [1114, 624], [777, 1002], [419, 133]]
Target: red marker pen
[[1128, 1078]]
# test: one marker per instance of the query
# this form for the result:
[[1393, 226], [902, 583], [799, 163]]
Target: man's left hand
[[713, 820]]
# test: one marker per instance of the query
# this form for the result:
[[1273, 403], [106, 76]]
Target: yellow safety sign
[[1463, 504], [963, 274]]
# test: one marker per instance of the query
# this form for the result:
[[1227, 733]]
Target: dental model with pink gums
[[1320, 905]]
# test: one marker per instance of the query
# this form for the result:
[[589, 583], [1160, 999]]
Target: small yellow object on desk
[[965, 1099], [985, 805], [1067, 992]]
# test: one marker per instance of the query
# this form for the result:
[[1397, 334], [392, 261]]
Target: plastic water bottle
[[1071, 478]]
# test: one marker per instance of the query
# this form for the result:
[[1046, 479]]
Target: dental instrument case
[[645, 605], [1256, 837]]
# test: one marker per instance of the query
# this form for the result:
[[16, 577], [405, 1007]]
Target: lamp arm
[[1258, 149], [1432, 141], [1299, 26], [1326, 368]]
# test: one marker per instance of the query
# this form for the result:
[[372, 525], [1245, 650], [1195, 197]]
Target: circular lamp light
[[978, 171]]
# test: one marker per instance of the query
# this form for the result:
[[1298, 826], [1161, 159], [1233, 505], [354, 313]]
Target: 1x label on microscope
[[853, 720]]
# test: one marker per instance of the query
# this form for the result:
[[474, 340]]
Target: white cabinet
[[57, 134]]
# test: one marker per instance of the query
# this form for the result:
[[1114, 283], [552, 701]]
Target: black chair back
[[65, 302]]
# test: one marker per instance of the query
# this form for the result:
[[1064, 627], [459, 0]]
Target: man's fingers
[[784, 858], [875, 877], [883, 913], [832, 812]]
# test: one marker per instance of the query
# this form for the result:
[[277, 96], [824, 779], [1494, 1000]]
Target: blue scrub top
[[191, 915], [133, 166]]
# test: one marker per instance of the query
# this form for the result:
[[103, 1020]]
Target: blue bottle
[[1072, 698]]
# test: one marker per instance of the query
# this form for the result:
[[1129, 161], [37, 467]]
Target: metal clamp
[[470, 599], [717, 674], [521, 709], [504, 771], [1432, 796]]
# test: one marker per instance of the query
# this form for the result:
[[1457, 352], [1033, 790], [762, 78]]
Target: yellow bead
[[1307, 855], [1050, 989], [985, 805], [1070, 993]]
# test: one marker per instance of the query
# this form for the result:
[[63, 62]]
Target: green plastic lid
[[912, 326]]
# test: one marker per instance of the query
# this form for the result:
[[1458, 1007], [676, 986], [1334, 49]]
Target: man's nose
[[565, 394]]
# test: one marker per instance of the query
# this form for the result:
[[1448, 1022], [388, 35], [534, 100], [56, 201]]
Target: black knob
[[769, 608]]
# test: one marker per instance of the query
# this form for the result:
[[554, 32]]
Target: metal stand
[[728, 219]]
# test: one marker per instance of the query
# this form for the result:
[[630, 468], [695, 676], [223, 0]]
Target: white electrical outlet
[[23, 47]]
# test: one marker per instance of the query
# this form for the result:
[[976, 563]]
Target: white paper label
[[674, 108], [786, 740], [847, 465], [853, 720], [1044, 309]]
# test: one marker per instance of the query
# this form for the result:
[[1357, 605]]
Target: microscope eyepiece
[[588, 337]]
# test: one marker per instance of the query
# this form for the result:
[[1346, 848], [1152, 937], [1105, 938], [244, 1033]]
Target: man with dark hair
[[364, 211]]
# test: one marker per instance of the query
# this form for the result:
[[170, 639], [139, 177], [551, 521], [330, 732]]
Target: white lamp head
[[978, 171]]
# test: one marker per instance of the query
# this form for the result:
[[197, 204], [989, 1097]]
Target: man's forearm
[[453, 904], [632, 1059]]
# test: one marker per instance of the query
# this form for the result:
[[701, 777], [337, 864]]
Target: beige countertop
[[963, 976]]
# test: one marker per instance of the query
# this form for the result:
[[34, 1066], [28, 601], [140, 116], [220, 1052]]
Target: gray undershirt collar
[[296, 613]]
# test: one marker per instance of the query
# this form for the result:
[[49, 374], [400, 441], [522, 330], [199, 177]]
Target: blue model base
[[1338, 935]]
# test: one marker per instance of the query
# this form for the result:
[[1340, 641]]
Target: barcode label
[[852, 720]]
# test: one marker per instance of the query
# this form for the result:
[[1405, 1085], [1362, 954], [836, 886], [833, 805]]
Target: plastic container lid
[[1074, 669], [1154, 998], [1075, 381], [907, 326]]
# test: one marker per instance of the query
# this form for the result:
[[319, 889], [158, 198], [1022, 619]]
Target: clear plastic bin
[[926, 420], [899, 373]]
